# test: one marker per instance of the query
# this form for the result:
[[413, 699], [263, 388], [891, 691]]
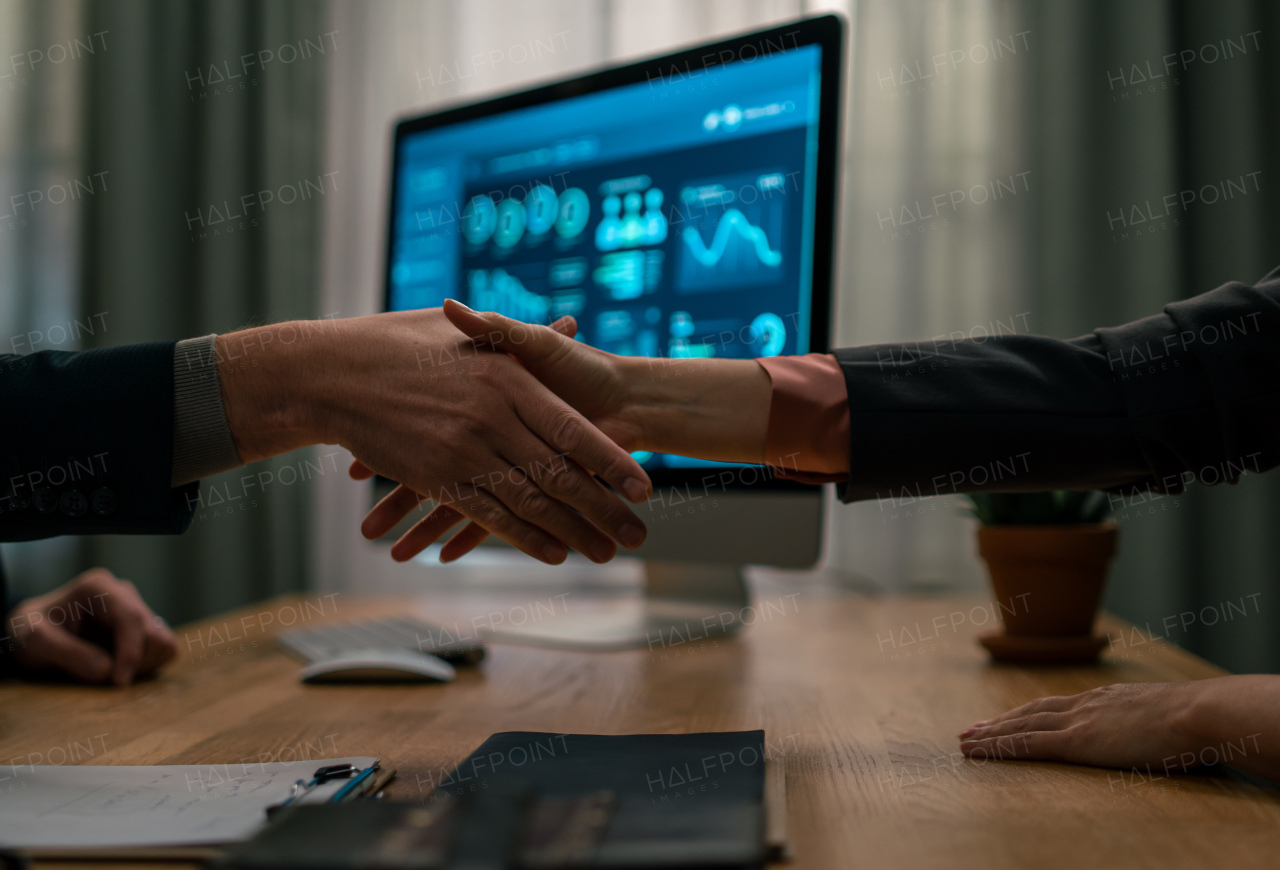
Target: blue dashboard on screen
[[673, 218]]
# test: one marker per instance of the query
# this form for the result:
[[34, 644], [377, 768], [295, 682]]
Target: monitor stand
[[683, 602]]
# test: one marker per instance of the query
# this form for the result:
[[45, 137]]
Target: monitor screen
[[672, 216]]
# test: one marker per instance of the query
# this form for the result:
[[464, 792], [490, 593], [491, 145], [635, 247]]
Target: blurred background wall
[[1092, 112]]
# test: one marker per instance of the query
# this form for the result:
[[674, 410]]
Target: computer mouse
[[379, 666]]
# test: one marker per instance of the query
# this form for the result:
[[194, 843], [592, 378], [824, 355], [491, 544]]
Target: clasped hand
[[474, 431]]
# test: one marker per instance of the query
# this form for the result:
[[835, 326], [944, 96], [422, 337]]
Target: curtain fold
[[207, 115]]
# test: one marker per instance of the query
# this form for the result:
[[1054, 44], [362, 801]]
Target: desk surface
[[861, 698]]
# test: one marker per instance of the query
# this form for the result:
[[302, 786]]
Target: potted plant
[[1047, 554]]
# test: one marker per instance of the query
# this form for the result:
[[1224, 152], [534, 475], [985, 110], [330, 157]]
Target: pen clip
[[320, 777], [334, 771], [350, 788]]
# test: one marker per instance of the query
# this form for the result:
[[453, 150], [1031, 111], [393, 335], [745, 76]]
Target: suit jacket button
[[103, 501], [73, 503], [44, 500]]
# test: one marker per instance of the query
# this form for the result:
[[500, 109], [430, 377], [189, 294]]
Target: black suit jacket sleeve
[[87, 444], [1189, 394]]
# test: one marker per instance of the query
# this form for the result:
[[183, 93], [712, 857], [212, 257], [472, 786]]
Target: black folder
[[681, 800]]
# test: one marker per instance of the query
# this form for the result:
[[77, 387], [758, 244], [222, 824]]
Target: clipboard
[[166, 812]]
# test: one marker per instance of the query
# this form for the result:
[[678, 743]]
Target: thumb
[[59, 649], [359, 471], [566, 326], [527, 342]]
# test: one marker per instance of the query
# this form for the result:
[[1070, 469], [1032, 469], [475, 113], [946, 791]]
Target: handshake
[[507, 426], [502, 424]]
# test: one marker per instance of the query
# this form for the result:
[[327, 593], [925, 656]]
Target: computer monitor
[[682, 206]]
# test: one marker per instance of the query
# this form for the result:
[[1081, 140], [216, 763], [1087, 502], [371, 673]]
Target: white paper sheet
[[111, 806]]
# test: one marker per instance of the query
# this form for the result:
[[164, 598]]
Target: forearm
[[713, 409], [1154, 404], [1238, 717]]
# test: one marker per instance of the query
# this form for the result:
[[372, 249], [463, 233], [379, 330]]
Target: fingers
[[1040, 745], [547, 479], [538, 493], [476, 504], [571, 434], [483, 508], [425, 533], [161, 646], [1047, 721], [128, 619], [141, 642], [430, 529], [1054, 703], [525, 341], [1039, 729], [566, 326], [391, 510], [52, 625], [359, 471], [53, 647], [463, 542]]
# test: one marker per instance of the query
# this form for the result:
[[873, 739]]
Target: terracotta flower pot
[[1048, 580]]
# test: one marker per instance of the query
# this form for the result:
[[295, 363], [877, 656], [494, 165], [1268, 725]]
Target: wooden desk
[[863, 712]]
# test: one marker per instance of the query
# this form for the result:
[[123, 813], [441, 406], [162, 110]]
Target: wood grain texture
[[861, 698]]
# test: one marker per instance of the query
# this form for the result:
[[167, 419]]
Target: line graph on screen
[[732, 222]]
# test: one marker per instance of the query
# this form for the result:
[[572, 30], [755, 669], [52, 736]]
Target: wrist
[[646, 404], [1195, 715], [263, 371], [710, 408]]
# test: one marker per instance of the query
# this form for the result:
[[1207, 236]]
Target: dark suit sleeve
[[87, 444], [1189, 394]]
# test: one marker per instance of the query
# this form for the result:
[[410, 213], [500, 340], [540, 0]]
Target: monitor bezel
[[826, 31]]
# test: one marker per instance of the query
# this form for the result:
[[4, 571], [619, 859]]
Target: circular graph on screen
[[479, 219], [575, 208], [511, 223], [541, 208]]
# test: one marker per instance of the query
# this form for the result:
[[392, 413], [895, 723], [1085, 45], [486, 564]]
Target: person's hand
[[713, 409], [416, 401], [1124, 725], [599, 385], [63, 629], [586, 378]]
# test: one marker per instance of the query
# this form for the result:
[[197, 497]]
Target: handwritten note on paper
[[111, 806]]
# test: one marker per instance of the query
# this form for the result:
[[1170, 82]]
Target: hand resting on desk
[[1160, 728], [56, 631]]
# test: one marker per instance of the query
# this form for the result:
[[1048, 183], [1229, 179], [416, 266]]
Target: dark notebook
[[681, 800]]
